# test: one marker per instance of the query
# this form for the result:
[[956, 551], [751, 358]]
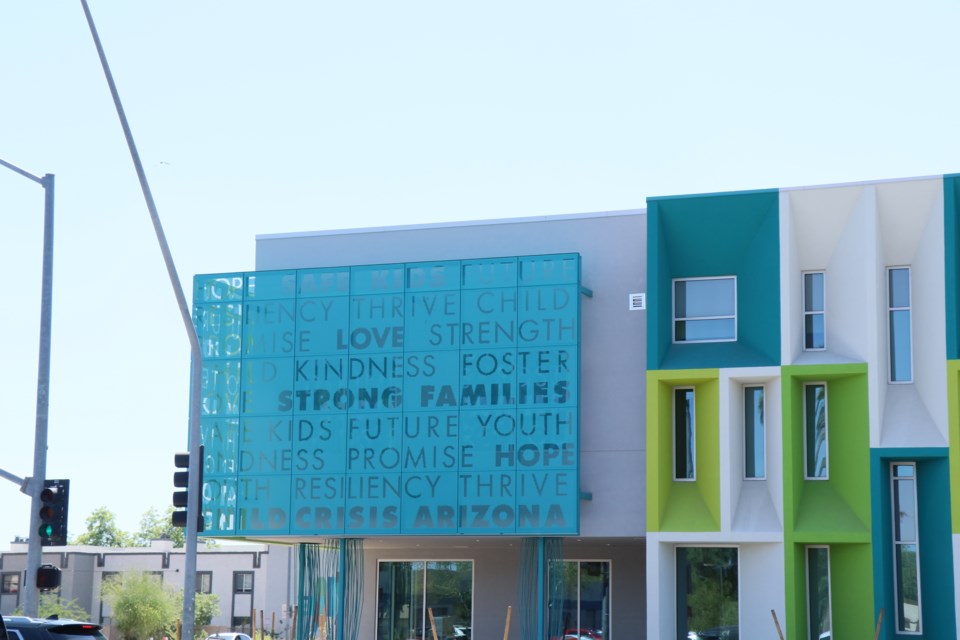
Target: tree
[[206, 606], [102, 530], [142, 606], [156, 526], [50, 604]]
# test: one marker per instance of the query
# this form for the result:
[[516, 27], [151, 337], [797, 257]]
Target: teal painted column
[[951, 261]]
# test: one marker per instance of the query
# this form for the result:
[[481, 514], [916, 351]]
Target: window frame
[[579, 562], [676, 582], [807, 312], [826, 431], [763, 392], [237, 574], [673, 310], [423, 619], [806, 567], [14, 576], [895, 543], [200, 576], [693, 427], [104, 577], [890, 310]]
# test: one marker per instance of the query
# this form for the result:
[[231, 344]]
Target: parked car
[[581, 634], [729, 632], [24, 628], [229, 635]]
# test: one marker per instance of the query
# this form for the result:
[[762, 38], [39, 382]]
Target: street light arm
[[145, 187], [25, 174]]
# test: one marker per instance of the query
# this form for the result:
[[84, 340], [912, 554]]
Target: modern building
[[802, 411], [725, 416], [247, 578], [462, 405]]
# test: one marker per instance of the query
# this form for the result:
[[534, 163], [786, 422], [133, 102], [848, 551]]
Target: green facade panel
[[851, 591], [835, 509], [683, 505], [953, 421], [735, 234]]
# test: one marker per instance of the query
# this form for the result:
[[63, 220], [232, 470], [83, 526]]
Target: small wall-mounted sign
[[638, 302]]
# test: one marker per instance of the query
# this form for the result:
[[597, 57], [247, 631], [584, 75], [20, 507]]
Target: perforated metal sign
[[395, 399]]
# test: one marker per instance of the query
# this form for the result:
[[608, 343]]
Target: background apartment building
[[245, 577]]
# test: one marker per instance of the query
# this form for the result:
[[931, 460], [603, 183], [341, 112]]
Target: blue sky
[[255, 118]]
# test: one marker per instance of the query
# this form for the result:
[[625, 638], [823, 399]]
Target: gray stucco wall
[[612, 398], [613, 355]]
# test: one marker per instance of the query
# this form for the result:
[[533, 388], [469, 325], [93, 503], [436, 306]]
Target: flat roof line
[[859, 183], [863, 183], [442, 225]]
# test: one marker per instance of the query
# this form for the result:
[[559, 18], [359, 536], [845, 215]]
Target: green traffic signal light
[[53, 513]]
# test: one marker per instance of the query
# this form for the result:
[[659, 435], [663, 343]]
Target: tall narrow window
[[684, 435], [754, 434], [814, 319], [906, 551], [819, 617], [705, 310], [815, 430], [898, 302], [204, 581]]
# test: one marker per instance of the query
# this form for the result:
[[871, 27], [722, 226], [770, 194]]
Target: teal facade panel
[[935, 541], [951, 234], [421, 398], [734, 234]]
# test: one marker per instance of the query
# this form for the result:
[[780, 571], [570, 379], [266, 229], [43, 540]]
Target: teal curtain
[[553, 560], [330, 590], [540, 590], [352, 564]]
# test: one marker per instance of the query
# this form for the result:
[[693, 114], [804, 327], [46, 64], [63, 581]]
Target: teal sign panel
[[435, 398]]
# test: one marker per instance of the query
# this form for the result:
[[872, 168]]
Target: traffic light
[[54, 499], [48, 577], [181, 479]]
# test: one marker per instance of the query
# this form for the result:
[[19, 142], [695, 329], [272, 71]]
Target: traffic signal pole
[[34, 485], [193, 491]]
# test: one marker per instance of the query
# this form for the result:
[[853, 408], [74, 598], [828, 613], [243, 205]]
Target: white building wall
[[83, 570]]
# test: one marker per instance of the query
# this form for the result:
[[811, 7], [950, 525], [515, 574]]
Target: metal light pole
[[33, 486], [193, 490]]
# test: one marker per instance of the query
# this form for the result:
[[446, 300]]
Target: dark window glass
[[684, 435], [818, 593], [11, 583], [707, 592], [754, 436], [243, 582], [815, 419], [407, 591]]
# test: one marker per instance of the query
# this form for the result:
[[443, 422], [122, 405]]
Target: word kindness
[[395, 399]]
